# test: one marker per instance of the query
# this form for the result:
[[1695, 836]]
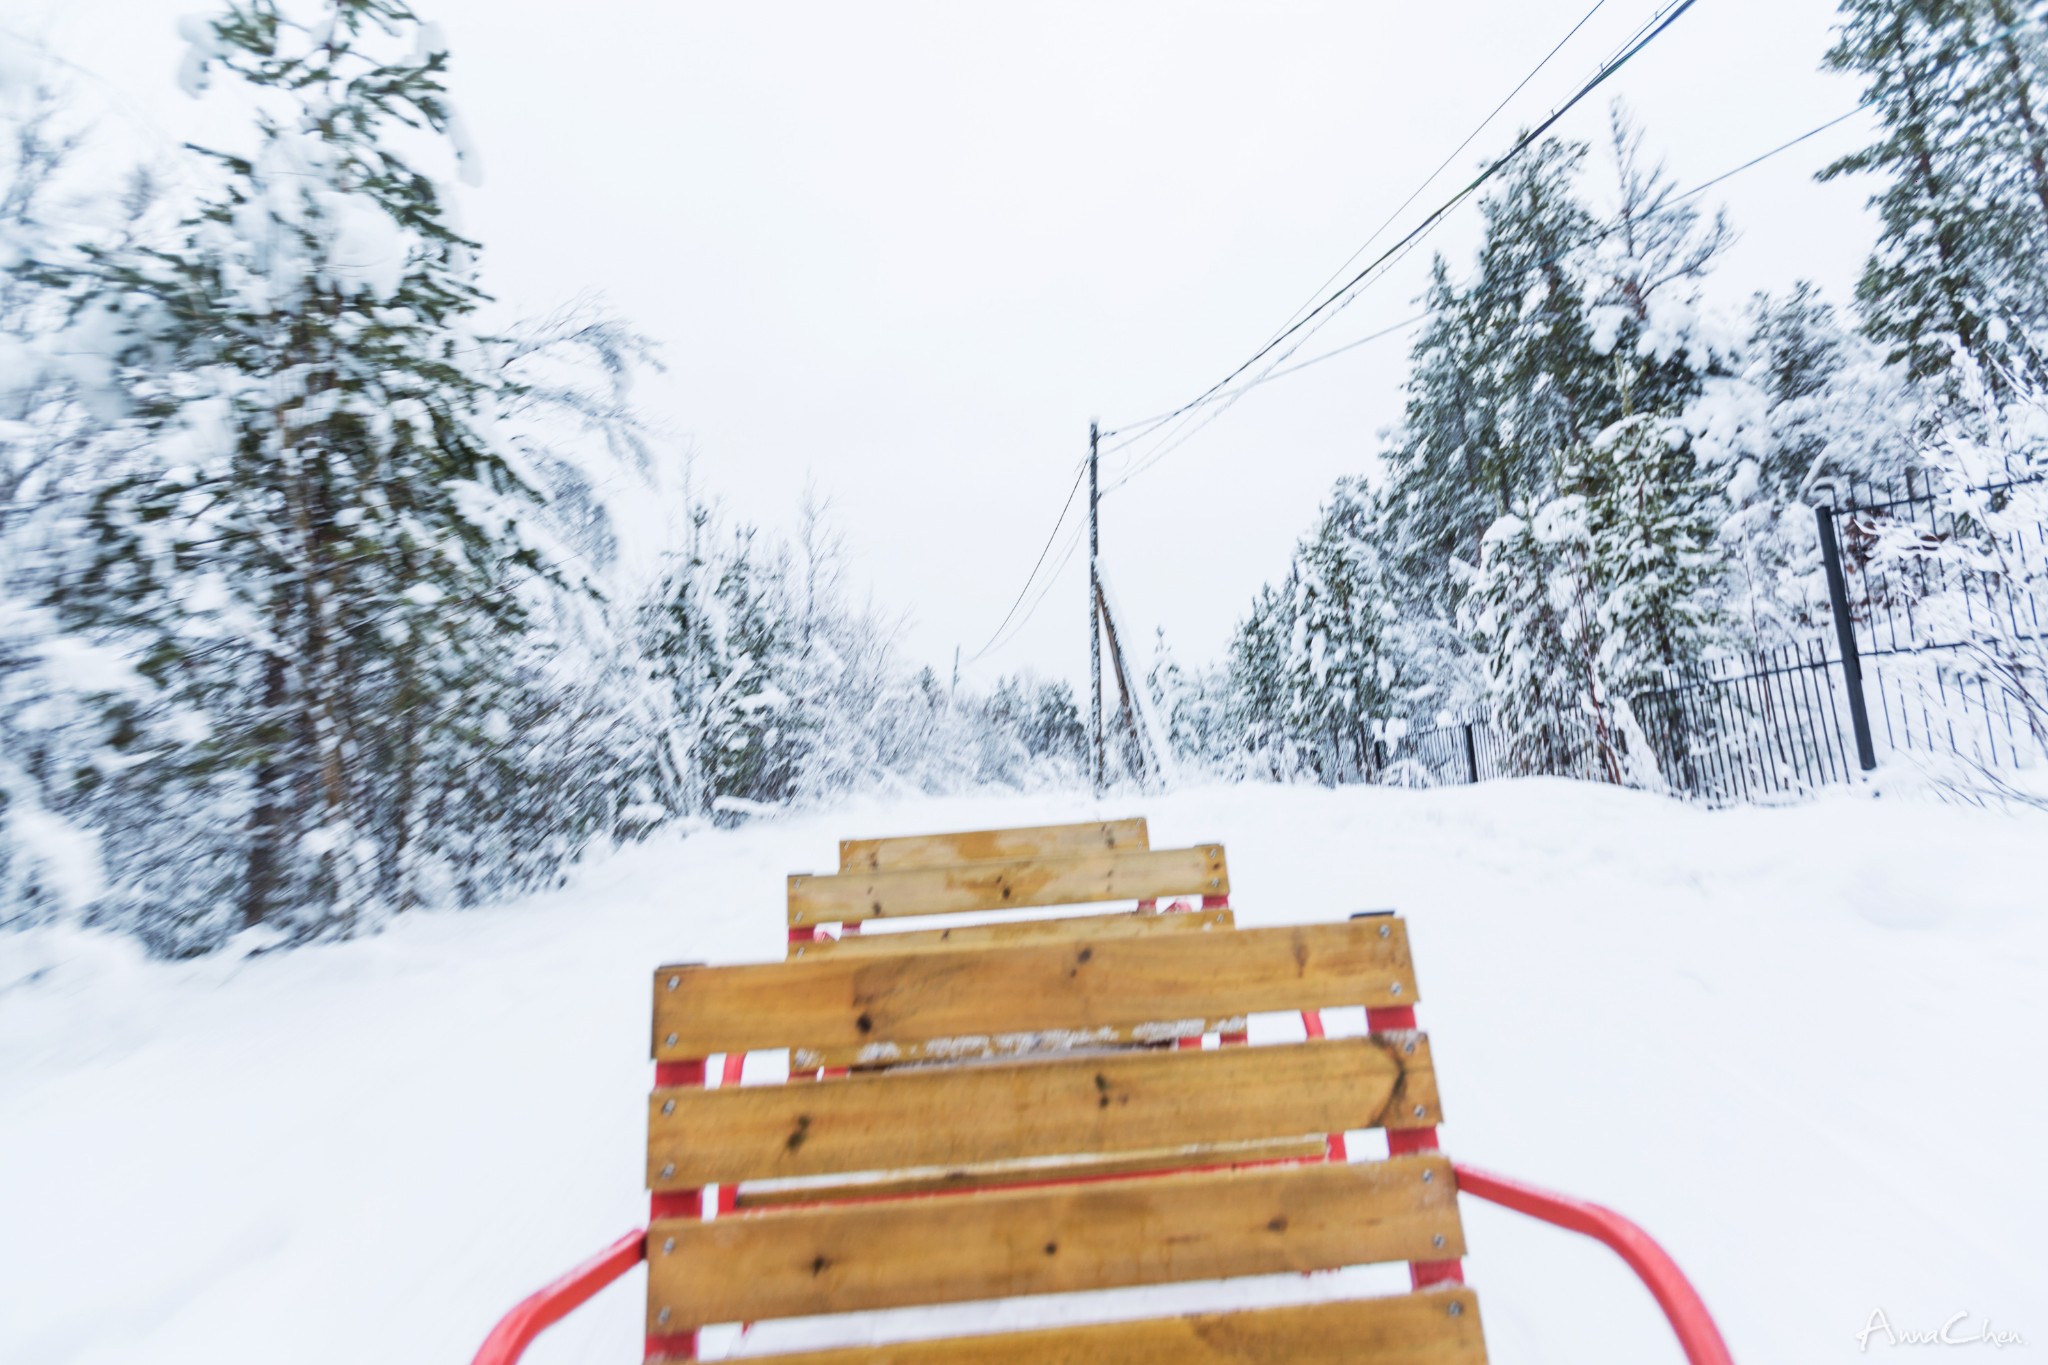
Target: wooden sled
[[989, 1122]]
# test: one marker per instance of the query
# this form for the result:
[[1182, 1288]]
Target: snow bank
[[1801, 1046]]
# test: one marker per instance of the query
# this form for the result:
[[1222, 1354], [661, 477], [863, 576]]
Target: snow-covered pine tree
[[1437, 505], [1957, 86], [1339, 671], [318, 555], [755, 736], [1652, 517], [1194, 706], [1532, 609], [1538, 385], [1653, 255], [1260, 694]]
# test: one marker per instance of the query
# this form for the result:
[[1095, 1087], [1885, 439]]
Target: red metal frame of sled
[[541, 1310], [1694, 1326], [1681, 1303]]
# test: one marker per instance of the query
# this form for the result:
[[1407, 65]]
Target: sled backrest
[[1024, 1109], [1001, 870], [992, 845]]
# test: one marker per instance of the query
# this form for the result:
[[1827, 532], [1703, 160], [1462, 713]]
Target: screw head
[[1213, 881], [668, 1106], [799, 952], [668, 1170], [1420, 1111], [1437, 1240], [1457, 1309], [662, 1317], [668, 1245], [674, 982], [1428, 1176], [1394, 989], [670, 1041], [1385, 931], [1409, 1046]]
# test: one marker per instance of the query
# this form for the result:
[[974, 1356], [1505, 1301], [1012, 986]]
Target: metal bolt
[[668, 1244], [1394, 989], [1384, 931], [662, 1317], [671, 1041], [674, 982], [1420, 1111], [1437, 1240], [1457, 1309], [668, 1170], [668, 1106]]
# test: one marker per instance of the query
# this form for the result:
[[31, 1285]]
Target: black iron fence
[[1928, 653]]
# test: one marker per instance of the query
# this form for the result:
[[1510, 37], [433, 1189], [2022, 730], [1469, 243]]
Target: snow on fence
[[1939, 649]]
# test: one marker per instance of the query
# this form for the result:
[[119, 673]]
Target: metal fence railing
[[1931, 654]]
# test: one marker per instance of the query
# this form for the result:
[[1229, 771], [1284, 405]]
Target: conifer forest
[[313, 609]]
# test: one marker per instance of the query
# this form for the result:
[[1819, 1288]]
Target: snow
[[1801, 1046]]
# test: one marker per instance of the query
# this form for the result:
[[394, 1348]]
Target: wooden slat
[[988, 845], [1433, 1327], [1009, 885], [970, 1116], [1129, 924], [969, 1002], [890, 1253], [960, 1179]]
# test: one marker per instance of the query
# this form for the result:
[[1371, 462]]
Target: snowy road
[[1803, 1047]]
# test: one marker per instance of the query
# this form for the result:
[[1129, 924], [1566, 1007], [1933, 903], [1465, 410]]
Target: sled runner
[[961, 1160]]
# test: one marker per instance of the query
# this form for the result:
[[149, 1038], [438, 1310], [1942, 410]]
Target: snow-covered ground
[[1804, 1047]]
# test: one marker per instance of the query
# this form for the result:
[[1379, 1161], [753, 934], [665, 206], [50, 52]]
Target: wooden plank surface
[[1433, 1327], [1140, 874], [971, 1116], [1129, 924], [895, 1253], [964, 1178], [989, 845], [969, 1003]]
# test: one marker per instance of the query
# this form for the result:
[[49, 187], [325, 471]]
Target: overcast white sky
[[911, 250]]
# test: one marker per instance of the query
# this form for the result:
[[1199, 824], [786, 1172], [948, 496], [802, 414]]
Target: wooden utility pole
[[1094, 626]]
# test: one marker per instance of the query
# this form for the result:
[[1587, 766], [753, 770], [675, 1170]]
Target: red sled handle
[[1681, 1303], [544, 1308]]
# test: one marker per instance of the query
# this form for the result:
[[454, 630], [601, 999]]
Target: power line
[[1600, 77], [1697, 190], [1051, 579], [1065, 508], [1456, 152]]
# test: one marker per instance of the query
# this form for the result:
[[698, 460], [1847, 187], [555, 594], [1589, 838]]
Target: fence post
[[1845, 637], [1471, 757]]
